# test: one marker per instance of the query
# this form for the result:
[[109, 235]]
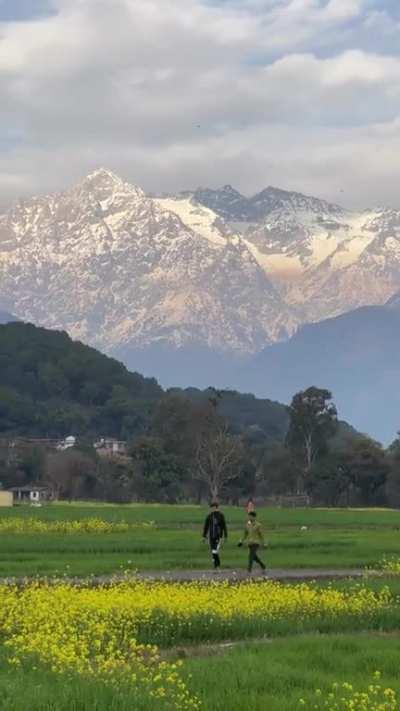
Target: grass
[[179, 515], [38, 689], [258, 676], [334, 539], [273, 673], [276, 675]]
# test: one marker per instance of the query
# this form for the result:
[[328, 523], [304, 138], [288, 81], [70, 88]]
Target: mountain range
[[119, 270], [355, 355], [189, 286], [323, 259]]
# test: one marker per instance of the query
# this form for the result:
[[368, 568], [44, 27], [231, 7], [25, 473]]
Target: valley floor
[[168, 538], [224, 642], [273, 675]]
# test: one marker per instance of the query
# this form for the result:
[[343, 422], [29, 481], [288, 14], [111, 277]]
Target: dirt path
[[186, 576], [280, 574]]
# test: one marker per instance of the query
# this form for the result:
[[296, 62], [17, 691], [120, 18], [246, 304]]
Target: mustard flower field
[[69, 643], [33, 526], [128, 637]]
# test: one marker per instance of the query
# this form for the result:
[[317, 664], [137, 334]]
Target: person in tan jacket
[[250, 506], [254, 538]]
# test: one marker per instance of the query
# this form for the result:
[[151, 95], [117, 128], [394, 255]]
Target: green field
[[257, 663], [271, 675], [277, 674], [334, 539]]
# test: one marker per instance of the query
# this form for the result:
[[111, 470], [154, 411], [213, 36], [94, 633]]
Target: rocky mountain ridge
[[323, 259], [206, 270], [118, 269]]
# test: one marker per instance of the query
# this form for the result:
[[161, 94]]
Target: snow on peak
[[200, 219], [105, 181], [112, 265], [103, 174]]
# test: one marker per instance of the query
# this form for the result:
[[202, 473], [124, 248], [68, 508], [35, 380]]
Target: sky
[[173, 94]]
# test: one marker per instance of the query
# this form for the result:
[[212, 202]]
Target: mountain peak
[[230, 189], [104, 183], [102, 174]]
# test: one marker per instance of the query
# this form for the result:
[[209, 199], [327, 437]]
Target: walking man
[[215, 530], [253, 535]]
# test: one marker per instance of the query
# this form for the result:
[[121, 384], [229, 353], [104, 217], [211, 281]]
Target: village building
[[31, 494], [67, 443], [6, 498], [109, 447]]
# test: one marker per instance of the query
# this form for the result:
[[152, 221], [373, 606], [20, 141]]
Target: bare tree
[[218, 456], [68, 473]]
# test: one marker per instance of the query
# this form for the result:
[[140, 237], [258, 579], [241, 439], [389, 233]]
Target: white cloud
[[176, 92]]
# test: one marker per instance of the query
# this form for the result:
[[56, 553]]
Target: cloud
[[173, 93]]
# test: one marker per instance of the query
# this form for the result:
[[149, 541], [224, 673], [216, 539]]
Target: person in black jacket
[[215, 530]]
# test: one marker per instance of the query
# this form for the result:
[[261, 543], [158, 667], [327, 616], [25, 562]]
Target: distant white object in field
[[67, 443], [304, 528]]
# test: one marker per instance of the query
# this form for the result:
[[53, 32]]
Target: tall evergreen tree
[[313, 421]]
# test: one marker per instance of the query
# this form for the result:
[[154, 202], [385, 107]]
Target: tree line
[[200, 445]]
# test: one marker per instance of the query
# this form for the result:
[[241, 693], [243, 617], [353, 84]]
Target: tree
[[218, 458], [157, 474], [354, 474], [71, 474], [331, 481], [174, 422], [369, 470], [219, 454], [32, 461], [279, 471], [114, 481], [393, 479], [313, 420]]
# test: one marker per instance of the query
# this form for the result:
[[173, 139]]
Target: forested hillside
[[181, 445], [51, 386]]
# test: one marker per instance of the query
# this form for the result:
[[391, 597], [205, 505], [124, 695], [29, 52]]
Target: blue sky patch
[[18, 10]]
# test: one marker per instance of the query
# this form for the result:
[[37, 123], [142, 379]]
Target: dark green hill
[[260, 418], [51, 386]]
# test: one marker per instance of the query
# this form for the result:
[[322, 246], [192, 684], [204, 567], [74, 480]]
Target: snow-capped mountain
[[364, 269], [118, 269], [226, 202], [324, 260], [208, 271], [235, 207]]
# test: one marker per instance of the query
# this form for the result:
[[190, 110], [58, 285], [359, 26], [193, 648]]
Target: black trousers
[[253, 557], [214, 546]]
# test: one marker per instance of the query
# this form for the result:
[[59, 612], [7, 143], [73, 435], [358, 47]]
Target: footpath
[[187, 576], [279, 574]]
